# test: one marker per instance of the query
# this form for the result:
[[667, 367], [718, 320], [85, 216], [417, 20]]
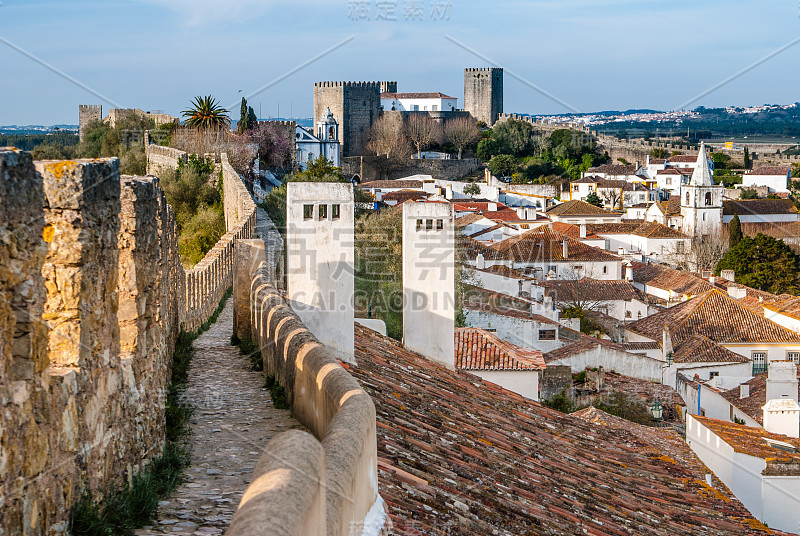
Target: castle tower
[[429, 280], [355, 106], [320, 260], [483, 93], [86, 114], [701, 200]]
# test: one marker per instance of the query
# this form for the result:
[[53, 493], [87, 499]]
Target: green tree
[[720, 160], [764, 263], [242, 126], [747, 162], [472, 189], [487, 149], [734, 231], [658, 152], [515, 137], [502, 165], [207, 114], [592, 199], [749, 193]]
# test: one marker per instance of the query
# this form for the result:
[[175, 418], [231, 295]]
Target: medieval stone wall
[[92, 298], [483, 93], [86, 114], [160, 157]]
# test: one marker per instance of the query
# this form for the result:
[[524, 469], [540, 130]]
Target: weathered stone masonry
[[92, 297]]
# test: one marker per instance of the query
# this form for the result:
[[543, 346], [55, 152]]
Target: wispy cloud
[[205, 12]]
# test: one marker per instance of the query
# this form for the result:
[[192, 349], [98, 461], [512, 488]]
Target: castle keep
[[483, 93], [355, 106], [86, 114]]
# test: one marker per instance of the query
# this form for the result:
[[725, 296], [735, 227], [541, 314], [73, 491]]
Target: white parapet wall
[[429, 280], [320, 260]]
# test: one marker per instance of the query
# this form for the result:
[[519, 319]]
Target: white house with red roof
[[488, 356], [774, 177], [529, 330]]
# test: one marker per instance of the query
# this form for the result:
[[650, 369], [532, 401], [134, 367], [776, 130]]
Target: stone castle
[[94, 112], [357, 105]]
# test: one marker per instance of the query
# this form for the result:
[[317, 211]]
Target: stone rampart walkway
[[232, 422]]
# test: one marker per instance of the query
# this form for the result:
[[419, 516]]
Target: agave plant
[[206, 113]]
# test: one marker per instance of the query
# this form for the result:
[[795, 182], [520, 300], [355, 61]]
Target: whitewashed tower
[[320, 260], [701, 200], [429, 280], [328, 134]]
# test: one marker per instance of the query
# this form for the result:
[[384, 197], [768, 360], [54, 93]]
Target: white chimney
[[565, 246], [487, 176], [620, 251], [782, 380], [730, 275], [782, 416], [666, 342], [492, 207], [480, 262], [744, 391], [547, 303], [583, 230], [737, 293], [448, 192], [629, 271], [521, 212], [712, 279]]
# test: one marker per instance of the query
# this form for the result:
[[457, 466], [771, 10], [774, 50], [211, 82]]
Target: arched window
[[330, 132], [687, 198], [708, 198]]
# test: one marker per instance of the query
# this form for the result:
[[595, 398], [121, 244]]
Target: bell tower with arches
[[701, 200]]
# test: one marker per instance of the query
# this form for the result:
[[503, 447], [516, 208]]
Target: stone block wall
[[371, 168], [160, 157], [355, 105]]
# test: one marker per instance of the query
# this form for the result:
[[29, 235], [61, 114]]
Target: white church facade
[[322, 142]]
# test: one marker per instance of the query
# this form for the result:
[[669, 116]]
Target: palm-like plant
[[206, 114]]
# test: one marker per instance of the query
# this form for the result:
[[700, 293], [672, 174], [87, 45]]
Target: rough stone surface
[[232, 422]]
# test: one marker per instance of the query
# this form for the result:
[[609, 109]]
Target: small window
[[439, 225], [308, 212], [669, 181], [578, 267], [323, 212], [547, 334], [419, 225], [628, 314], [679, 246], [759, 362], [335, 212], [708, 198], [605, 269], [428, 225], [713, 374], [687, 198], [794, 357]]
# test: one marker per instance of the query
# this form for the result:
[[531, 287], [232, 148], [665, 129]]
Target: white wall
[[627, 364], [320, 258], [429, 280], [712, 403], [761, 218], [520, 331], [777, 183], [740, 472], [786, 321], [425, 105], [503, 284], [522, 382], [780, 499]]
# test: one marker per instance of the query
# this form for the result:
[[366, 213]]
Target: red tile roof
[[544, 245], [752, 404], [717, 316], [398, 183], [503, 215], [577, 207], [749, 207], [683, 158], [588, 289], [750, 440], [700, 349], [674, 171], [614, 169], [423, 95], [770, 170], [573, 230], [459, 455], [401, 196], [665, 278], [505, 311], [477, 349], [477, 206], [649, 229]]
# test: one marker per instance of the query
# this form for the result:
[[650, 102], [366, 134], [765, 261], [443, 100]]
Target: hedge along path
[[233, 420]]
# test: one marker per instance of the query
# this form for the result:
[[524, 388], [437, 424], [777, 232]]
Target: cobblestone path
[[232, 422]]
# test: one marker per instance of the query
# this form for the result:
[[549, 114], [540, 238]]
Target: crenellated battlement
[[359, 84]]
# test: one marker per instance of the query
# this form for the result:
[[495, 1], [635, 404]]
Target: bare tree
[[461, 131], [576, 290], [703, 253], [611, 196], [422, 130], [388, 137]]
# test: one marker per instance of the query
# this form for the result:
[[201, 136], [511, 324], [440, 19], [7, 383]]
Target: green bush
[[277, 393]]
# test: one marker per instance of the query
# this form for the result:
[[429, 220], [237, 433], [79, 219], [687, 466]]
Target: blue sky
[[591, 54]]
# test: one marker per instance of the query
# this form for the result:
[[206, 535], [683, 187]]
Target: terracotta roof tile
[[404, 195], [397, 183], [770, 170], [614, 169], [459, 455], [505, 311], [422, 95], [717, 316], [577, 207], [701, 349], [748, 207], [477, 349], [566, 290], [665, 278], [648, 229], [683, 158], [750, 440], [544, 244]]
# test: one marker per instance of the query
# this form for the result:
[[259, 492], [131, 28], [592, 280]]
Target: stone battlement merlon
[[354, 84]]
